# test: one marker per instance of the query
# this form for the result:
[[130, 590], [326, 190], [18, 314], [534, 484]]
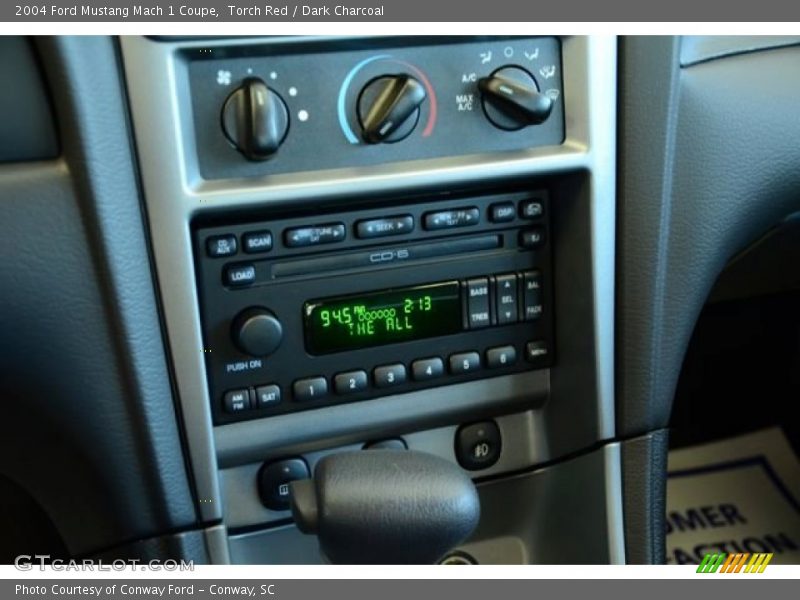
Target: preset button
[[313, 388]]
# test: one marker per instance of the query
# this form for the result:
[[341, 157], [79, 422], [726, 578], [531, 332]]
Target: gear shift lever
[[386, 507]]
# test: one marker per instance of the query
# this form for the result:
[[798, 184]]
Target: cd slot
[[384, 256]]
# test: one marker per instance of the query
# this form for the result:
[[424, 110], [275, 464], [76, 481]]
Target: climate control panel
[[307, 108]]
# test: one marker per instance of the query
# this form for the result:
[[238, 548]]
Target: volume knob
[[256, 331]]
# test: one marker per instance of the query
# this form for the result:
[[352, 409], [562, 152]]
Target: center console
[[382, 242]]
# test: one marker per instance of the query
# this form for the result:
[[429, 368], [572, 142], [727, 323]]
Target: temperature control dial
[[255, 119], [388, 108], [512, 100]]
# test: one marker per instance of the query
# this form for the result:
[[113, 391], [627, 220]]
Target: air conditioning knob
[[255, 120], [388, 108], [512, 100]]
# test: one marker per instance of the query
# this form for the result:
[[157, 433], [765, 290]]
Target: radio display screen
[[385, 317]]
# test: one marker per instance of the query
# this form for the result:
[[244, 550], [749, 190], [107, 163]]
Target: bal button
[[478, 445]]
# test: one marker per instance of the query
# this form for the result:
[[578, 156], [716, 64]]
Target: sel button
[[506, 299]]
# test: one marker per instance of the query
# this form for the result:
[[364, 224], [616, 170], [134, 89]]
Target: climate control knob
[[255, 119], [512, 100], [256, 331], [388, 108]]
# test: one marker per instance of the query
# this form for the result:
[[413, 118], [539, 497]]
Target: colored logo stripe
[[735, 563]]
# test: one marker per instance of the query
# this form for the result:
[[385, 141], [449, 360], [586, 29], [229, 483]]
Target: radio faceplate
[[260, 282]]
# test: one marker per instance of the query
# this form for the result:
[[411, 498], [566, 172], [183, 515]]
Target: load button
[[478, 303]]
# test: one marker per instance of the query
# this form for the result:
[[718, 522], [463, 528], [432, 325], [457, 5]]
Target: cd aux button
[[221, 245]]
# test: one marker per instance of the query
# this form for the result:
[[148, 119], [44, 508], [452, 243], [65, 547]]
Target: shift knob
[[386, 507]]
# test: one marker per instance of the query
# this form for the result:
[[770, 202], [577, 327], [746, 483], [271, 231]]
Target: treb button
[[478, 303]]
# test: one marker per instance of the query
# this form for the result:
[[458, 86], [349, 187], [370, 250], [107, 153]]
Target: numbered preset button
[[464, 362], [389, 375], [312, 388], [425, 369], [350, 382], [502, 356]]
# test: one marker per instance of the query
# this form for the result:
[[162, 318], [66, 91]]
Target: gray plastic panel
[[323, 81], [557, 515], [709, 165], [175, 192], [27, 130], [523, 442]]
